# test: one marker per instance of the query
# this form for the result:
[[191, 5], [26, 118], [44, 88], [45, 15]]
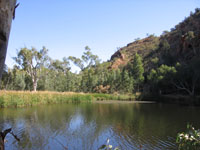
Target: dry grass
[[27, 98]]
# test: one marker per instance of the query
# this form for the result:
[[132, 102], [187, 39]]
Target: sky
[[65, 27]]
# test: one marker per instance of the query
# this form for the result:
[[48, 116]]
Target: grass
[[27, 98], [100, 96]]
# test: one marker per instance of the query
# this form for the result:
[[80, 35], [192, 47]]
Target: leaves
[[87, 59], [189, 140], [32, 62]]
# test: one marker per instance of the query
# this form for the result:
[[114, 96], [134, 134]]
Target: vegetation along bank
[[23, 99]]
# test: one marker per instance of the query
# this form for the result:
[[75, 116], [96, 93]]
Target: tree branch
[[3, 135], [15, 10]]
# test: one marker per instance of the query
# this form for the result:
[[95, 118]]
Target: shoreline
[[26, 98], [173, 99], [123, 102]]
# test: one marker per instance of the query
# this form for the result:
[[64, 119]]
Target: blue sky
[[65, 27]]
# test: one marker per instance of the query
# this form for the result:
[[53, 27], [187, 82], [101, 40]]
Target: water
[[87, 126]]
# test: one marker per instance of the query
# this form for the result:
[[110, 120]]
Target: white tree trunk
[[35, 86], [7, 10]]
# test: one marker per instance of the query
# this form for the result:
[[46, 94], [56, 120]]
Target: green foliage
[[32, 62], [19, 81], [164, 45], [161, 77], [138, 69], [189, 140], [153, 76], [60, 66], [77, 61], [188, 77], [190, 35], [127, 82], [87, 60], [155, 60], [163, 72], [6, 76], [184, 78], [23, 99]]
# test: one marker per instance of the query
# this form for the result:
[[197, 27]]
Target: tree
[[164, 45], [60, 66], [19, 80], [114, 80], [188, 77], [87, 60], [190, 37], [161, 78], [32, 61], [77, 61], [137, 70], [127, 84], [7, 13]]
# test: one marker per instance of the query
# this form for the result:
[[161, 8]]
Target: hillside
[[143, 47], [181, 44]]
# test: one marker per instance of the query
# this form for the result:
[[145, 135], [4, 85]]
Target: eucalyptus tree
[[58, 74], [60, 66], [33, 62], [7, 13], [87, 60], [87, 63]]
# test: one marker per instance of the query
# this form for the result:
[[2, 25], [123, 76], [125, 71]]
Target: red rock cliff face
[[126, 54], [119, 59]]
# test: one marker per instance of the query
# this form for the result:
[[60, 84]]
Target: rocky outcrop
[[126, 54], [118, 59]]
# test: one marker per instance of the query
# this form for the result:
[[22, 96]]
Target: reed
[[27, 98]]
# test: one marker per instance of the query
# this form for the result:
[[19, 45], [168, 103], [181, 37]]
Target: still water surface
[[86, 126]]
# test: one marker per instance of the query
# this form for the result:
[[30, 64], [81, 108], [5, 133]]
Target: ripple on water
[[88, 126]]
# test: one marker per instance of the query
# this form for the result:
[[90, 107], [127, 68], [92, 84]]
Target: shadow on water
[[87, 126]]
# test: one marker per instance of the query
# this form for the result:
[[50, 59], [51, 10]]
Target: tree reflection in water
[[87, 126]]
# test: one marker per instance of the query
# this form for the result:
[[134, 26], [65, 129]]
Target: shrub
[[190, 140]]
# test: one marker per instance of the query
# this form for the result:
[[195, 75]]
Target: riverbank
[[123, 102], [173, 99], [27, 98]]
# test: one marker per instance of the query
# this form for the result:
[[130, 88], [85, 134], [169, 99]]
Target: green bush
[[189, 140]]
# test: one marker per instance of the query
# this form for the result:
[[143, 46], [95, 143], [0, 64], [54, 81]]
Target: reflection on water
[[87, 126]]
